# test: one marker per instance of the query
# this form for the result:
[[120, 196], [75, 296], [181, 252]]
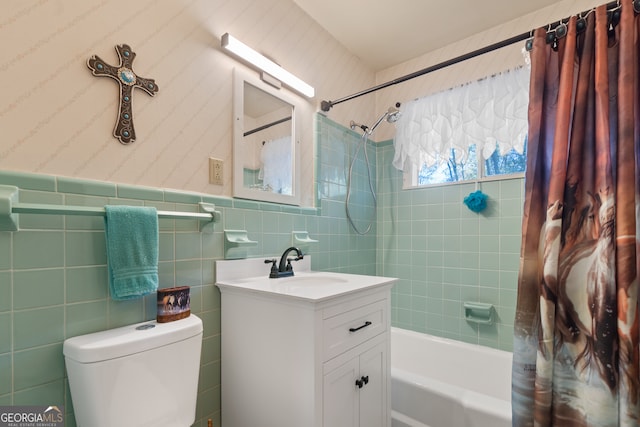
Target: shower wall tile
[[85, 248], [6, 326], [28, 181], [188, 246], [451, 254], [166, 246], [121, 313], [6, 255], [38, 366], [86, 318], [345, 250], [37, 327], [86, 187], [188, 273], [5, 291], [86, 284], [5, 376], [49, 392], [181, 197], [139, 193], [38, 249], [38, 288]]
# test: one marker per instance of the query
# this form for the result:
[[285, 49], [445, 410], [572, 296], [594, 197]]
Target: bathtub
[[436, 382]]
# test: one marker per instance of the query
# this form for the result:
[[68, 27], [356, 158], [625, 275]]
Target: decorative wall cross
[[127, 80]]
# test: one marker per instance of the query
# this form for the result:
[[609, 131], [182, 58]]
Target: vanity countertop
[[252, 275]]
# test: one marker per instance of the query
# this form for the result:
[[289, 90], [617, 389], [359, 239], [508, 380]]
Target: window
[[455, 169], [459, 168]]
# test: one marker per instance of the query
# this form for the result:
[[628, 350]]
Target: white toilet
[[136, 376]]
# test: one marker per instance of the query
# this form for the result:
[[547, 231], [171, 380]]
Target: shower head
[[393, 113]]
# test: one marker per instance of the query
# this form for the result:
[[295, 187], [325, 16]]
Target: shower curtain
[[576, 327]]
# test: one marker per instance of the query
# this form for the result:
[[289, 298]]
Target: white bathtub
[[436, 382]]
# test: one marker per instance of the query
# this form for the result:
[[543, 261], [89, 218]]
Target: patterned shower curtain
[[576, 328]]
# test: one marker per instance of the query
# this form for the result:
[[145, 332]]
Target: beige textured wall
[[56, 118]]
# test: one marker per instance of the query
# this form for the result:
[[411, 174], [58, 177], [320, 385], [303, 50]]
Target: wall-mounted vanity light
[[245, 52]]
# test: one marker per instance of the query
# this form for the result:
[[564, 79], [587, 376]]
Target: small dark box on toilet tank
[[173, 304]]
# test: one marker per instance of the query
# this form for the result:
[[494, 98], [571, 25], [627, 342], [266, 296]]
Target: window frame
[[410, 177]]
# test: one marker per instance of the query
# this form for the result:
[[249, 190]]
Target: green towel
[[132, 250]]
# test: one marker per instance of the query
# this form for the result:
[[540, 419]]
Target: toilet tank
[[136, 376]]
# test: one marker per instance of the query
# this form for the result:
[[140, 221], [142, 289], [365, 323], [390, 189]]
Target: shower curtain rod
[[326, 105]]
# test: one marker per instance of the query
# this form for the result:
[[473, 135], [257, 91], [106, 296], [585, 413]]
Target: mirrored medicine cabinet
[[265, 149]]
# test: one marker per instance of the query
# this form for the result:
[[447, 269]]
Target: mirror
[[265, 158]]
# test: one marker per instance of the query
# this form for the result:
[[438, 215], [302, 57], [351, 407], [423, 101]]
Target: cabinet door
[[340, 396], [355, 393], [373, 395]]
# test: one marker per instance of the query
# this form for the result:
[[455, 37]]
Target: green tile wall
[[53, 275], [444, 254], [344, 250]]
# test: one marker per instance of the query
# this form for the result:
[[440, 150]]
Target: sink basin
[[304, 282], [311, 279], [240, 275]]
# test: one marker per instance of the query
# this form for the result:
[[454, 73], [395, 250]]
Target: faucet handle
[[274, 268]]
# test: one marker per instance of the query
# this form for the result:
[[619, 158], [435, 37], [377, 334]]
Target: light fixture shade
[[245, 52]]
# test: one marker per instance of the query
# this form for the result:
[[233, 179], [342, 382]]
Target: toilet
[[142, 375]]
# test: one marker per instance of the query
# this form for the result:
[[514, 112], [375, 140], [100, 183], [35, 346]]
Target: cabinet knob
[[362, 381]]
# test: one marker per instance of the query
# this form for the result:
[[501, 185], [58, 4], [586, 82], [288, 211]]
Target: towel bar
[[9, 207]]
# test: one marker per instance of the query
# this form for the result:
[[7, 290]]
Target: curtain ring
[[615, 15], [528, 44], [551, 36], [561, 30]]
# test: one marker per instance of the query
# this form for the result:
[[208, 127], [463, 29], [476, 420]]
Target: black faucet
[[285, 268]]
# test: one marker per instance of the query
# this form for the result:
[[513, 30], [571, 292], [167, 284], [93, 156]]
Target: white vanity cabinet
[[291, 360], [356, 363]]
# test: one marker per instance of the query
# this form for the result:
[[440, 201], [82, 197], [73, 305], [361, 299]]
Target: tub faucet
[[285, 268]]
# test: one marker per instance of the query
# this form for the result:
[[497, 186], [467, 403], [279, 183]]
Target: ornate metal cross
[[127, 79]]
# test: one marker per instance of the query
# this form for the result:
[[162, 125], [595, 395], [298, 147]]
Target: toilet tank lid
[[127, 340]]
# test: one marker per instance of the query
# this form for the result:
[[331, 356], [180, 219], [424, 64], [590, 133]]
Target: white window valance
[[485, 112]]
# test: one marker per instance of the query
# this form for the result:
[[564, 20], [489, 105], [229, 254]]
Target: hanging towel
[[132, 250]]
